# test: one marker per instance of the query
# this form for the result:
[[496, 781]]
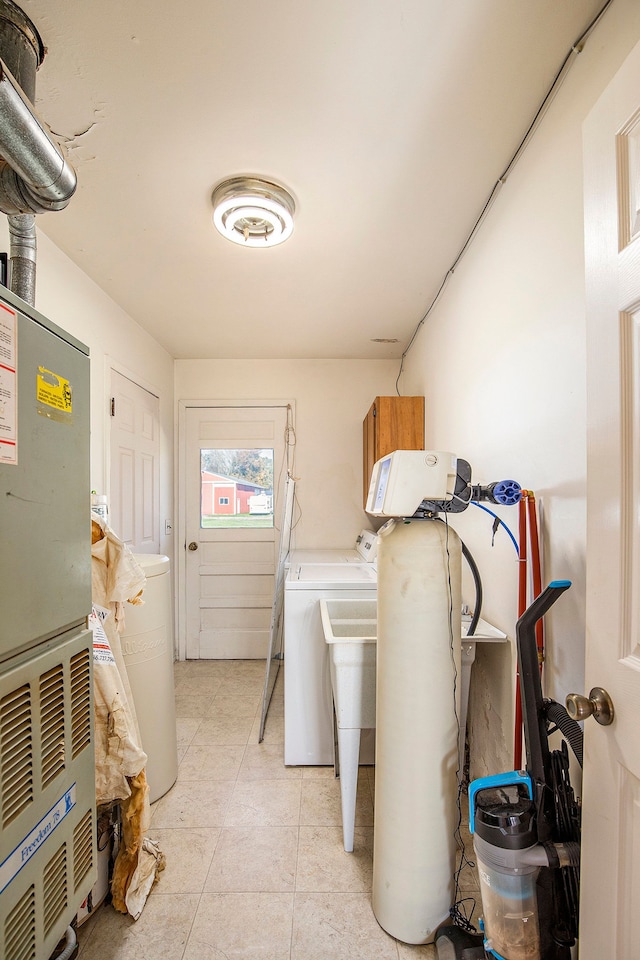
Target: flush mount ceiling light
[[253, 212]]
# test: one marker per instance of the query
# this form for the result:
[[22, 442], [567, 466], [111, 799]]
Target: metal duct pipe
[[35, 177], [22, 231], [21, 46]]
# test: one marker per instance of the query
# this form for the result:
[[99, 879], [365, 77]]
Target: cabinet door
[[392, 423], [368, 449]]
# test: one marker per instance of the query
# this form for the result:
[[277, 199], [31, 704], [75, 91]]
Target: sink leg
[[349, 753]]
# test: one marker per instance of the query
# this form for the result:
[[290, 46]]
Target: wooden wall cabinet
[[392, 423]]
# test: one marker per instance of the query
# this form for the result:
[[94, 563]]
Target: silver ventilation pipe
[[21, 47], [22, 254], [34, 176]]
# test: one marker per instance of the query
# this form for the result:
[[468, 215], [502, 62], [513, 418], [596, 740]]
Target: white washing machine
[[363, 551], [308, 710]]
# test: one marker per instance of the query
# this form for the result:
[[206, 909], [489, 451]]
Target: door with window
[[234, 474], [610, 870]]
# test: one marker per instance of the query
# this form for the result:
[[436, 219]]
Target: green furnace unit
[[47, 791]]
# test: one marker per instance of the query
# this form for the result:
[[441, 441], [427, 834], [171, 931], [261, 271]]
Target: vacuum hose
[[571, 729]]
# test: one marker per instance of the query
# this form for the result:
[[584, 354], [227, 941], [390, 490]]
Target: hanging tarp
[[118, 580]]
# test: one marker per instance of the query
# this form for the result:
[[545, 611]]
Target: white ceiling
[[388, 120]]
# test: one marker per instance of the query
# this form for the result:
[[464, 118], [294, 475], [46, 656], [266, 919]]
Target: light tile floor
[[255, 869]]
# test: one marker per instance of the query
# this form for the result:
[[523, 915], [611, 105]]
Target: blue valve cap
[[507, 492]]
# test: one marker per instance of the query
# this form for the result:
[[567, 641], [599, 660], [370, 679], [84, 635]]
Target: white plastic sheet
[[118, 580]]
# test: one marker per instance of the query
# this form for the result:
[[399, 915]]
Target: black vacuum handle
[[541, 604], [535, 723]]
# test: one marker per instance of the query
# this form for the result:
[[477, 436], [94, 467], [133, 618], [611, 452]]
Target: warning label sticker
[[8, 386], [54, 391], [102, 652]]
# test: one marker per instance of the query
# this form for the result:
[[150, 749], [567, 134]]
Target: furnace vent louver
[[54, 888], [52, 723], [20, 928], [47, 786], [16, 753], [80, 702], [83, 849], [16, 732]]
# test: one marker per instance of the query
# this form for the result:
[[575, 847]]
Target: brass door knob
[[597, 705], [193, 545]]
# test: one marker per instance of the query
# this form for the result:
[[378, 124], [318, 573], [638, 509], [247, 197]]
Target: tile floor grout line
[[293, 909], [192, 924], [257, 763], [221, 831]]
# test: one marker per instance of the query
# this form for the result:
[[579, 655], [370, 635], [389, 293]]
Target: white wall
[[501, 362], [332, 398], [68, 297]]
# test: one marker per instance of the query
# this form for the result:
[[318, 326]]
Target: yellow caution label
[[54, 391]]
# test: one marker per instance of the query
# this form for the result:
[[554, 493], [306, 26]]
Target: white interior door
[[231, 536], [610, 871], [134, 508]]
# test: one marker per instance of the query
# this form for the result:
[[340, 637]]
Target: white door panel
[[254, 589], [610, 871], [134, 506], [123, 506]]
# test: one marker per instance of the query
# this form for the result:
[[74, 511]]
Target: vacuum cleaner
[[526, 830]]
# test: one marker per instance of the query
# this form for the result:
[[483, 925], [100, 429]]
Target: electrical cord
[[463, 907], [576, 47], [451, 636], [288, 465], [567, 828], [459, 912]]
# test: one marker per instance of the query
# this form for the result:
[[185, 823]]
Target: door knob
[[598, 705], [193, 545]]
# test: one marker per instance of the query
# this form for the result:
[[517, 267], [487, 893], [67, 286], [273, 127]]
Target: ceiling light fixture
[[253, 212]]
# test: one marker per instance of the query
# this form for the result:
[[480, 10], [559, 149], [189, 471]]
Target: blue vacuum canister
[[509, 858]]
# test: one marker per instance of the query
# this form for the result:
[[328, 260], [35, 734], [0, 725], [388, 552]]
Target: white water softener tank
[[147, 647], [417, 710]]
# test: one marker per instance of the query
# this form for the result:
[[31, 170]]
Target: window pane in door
[[236, 488]]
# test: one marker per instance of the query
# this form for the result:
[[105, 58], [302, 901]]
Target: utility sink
[[350, 628]]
